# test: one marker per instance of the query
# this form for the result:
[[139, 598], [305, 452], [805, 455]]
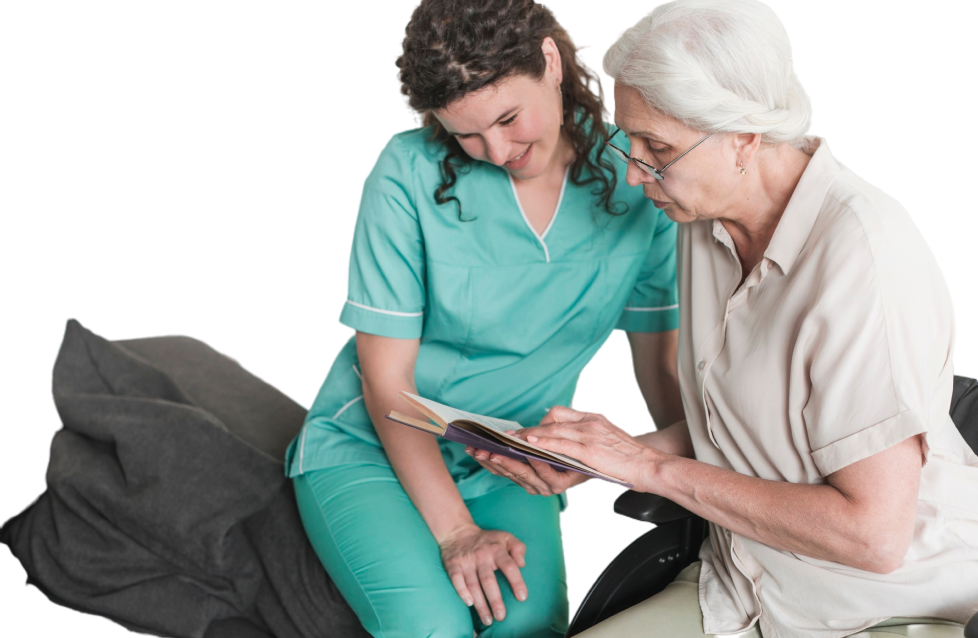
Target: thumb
[[543, 470]]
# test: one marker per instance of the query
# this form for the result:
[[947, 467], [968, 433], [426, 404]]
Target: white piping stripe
[[672, 307], [344, 408], [302, 443], [302, 449], [560, 198], [357, 372], [385, 312], [519, 205]]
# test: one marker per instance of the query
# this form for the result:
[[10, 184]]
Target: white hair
[[717, 66]]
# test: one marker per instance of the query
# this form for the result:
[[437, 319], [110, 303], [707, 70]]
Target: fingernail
[[487, 620], [521, 595], [469, 602], [531, 438], [494, 460], [500, 614]]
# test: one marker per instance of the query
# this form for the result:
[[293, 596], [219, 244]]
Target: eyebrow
[[504, 116], [646, 134]]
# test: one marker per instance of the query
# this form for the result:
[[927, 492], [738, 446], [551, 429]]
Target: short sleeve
[[653, 305], [877, 343], [387, 264]]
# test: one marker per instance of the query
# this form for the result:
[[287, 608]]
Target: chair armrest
[[971, 629], [650, 508]]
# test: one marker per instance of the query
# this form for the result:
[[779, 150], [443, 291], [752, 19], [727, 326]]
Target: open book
[[487, 433]]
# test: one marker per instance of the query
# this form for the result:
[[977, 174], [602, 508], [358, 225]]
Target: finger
[[517, 549], [458, 582], [522, 474], [475, 587], [510, 569], [573, 449], [560, 414], [545, 471], [487, 577], [575, 431], [555, 480], [516, 479]]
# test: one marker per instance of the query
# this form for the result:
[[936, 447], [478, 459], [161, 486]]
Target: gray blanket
[[166, 509]]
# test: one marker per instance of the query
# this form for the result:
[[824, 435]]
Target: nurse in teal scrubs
[[495, 251]]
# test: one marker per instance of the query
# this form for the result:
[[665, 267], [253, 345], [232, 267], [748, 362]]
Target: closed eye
[[504, 123]]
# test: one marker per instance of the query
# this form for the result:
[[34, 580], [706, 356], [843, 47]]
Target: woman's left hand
[[589, 438]]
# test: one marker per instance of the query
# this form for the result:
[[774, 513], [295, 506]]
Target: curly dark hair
[[454, 47]]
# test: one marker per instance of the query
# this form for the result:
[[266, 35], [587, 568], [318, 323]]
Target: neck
[[766, 192]]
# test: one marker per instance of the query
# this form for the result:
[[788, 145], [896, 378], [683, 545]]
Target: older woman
[[814, 357]]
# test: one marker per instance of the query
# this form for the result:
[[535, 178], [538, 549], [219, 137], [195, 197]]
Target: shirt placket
[[718, 338]]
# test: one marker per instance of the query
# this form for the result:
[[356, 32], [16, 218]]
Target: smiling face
[[513, 123], [702, 185]]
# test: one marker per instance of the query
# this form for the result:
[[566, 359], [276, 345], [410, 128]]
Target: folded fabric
[[167, 510]]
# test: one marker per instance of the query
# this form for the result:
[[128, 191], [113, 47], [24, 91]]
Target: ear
[[746, 146], [552, 55]]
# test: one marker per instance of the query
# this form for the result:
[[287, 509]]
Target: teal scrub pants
[[382, 557]]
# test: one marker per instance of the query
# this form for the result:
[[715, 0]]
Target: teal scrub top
[[507, 318]]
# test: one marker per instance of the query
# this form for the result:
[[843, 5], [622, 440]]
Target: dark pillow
[[248, 407], [964, 409]]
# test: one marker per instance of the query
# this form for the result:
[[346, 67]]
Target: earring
[[743, 171], [561, 93]]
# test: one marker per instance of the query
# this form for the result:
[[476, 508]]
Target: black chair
[[654, 560]]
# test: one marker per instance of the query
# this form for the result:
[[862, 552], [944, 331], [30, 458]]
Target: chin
[[677, 213]]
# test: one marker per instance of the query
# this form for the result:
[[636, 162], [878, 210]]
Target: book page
[[450, 414]]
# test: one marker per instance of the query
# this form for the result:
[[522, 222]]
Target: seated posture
[[814, 357], [495, 251]]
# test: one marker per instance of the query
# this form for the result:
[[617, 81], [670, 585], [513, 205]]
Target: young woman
[[495, 251]]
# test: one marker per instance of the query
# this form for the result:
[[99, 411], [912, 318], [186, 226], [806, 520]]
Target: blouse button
[[701, 365]]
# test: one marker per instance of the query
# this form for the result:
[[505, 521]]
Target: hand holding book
[[594, 441], [536, 477], [496, 436]]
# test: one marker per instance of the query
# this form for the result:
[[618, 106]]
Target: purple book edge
[[458, 435]]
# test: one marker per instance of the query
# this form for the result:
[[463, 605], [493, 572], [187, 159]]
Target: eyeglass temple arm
[[687, 150]]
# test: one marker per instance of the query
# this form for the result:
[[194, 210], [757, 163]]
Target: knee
[[537, 617], [428, 621]]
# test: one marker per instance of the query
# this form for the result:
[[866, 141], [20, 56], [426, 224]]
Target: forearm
[[817, 521], [674, 440], [416, 459], [654, 362], [662, 397]]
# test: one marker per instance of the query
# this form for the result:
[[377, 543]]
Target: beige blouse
[[837, 346]]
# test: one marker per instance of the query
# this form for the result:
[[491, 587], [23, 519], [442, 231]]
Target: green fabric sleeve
[[653, 305], [387, 264]]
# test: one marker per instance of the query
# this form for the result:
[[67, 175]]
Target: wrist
[[445, 531], [655, 470]]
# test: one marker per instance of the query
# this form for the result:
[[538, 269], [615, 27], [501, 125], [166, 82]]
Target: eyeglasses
[[642, 164]]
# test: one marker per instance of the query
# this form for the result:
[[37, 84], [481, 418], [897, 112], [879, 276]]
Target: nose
[[635, 176], [497, 149]]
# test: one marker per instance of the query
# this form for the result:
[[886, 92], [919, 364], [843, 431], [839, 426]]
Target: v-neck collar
[[541, 237]]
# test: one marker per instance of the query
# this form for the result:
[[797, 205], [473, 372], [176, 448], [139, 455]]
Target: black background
[[200, 175]]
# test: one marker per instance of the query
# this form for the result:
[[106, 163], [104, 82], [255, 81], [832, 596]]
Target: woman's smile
[[521, 160]]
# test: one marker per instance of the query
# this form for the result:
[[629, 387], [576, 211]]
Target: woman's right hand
[[472, 555], [536, 477]]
